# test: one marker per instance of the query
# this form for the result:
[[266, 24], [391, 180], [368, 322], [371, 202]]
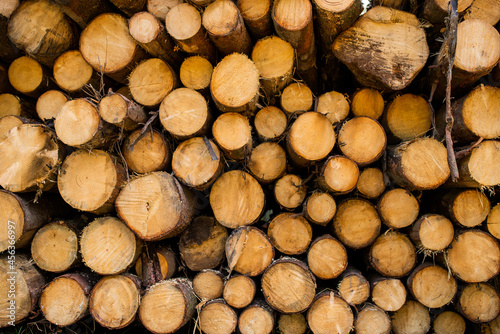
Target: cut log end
[[449, 322], [296, 98], [196, 72], [290, 234], [147, 154], [432, 286], [371, 183], [372, 319], [151, 81], [393, 254], [367, 102], [389, 294], [270, 123], [398, 208], [340, 314], [208, 284], [72, 72], [292, 323], [239, 291], [233, 133], [479, 302], [49, 104], [327, 257], [432, 232], [319, 208], [290, 191], [413, 317], [267, 162], [216, 317]]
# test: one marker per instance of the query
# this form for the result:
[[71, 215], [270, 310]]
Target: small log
[[160, 8], [129, 7], [239, 291], [13, 105], [479, 302], [167, 260], [201, 245], [435, 11], [290, 233], [294, 323], [362, 149], [73, 74], [28, 77], [327, 257], [432, 233], [400, 54], [393, 254], [237, 199], [155, 206], [353, 287], [196, 73], [167, 305], [334, 106], [121, 111], [8, 122], [284, 276], [449, 322], [270, 123], [372, 319], [398, 208], [296, 98], [290, 191], [257, 17], [371, 183], [267, 162], [388, 293], [319, 208], [256, 318], [412, 317], [49, 104], [431, 285], [114, 300], [367, 102], [147, 154], [208, 284], [493, 221], [184, 114], [197, 163], [190, 38], [486, 10], [468, 208], [216, 317], [329, 311], [366, 229], [339, 175], [83, 11], [467, 256], [249, 251]]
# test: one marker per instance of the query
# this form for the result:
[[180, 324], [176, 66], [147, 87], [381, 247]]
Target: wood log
[[41, 29], [412, 317], [339, 175], [398, 208], [129, 7], [400, 54], [8, 122], [239, 291], [184, 114], [148, 154], [232, 132], [284, 276], [155, 206], [49, 104], [20, 287], [270, 123], [372, 319], [435, 11], [366, 229], [330, 312], [73, 74], [493, 221], [371, 183], [334, 106], [296, 98], [364, 149], [479, 302], [65, 300], [151, 35], [256, 318], [29, 158], [167, 305], [241, 188], [216, 317], [432, 233], [8, 51], [208, 284], [367, 102], [449, 322], [491, 327], [107, 46], [275, 61], [121, 111], [467, 208], [327, 257], [249, 251], [431, 285], [257, 17], [202, 244], [467, 259], [294, 323], [13, 105], [29, 77], [167, 260], [114, 300], [194, 164], [190, 38], [290, 191], [267, 162], [290, 233], [83, 11], [388, 293], [419, 164], [393, 254], [353, 287], [319, 208], [160, 8], [196, 73], [486, 10]]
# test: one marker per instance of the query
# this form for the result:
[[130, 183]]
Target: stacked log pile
[[250, 166]]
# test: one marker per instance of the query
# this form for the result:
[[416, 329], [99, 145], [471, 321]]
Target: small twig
[[144, 129], [462, 153]]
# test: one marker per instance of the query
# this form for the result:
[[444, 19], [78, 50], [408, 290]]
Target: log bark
[[257, 17], [479, 302], [372, 319], [294, 323], [29, 77], [339, 175], [290, 191], [388, 293], [432, 233], [467, 208], [329, 311], [196, 73], [129, 7], [435, 11], [121, 111], [319, 208], [146, 154], [8, 51], [239, 291], [334, 106], [49, 104], [367, 102], [393, 254], [296, 98], [270, 123], [371, 183], [160, 8], [73, 74], [413, 317], [267, 162], [290, 233], [327, 257], [398, 208], [449, 322], [353, 287], [208, 284], [256, 318], [431, 285], [216, 317]]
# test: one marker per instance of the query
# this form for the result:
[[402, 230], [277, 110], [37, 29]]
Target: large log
[[329, 311], [72, 73], [29, 77], [393, 254], [431, 285], [479, 302], [449, 322]]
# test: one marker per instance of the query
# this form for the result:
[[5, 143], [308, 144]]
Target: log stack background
[[249, 166]]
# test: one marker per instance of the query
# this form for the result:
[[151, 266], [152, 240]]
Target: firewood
[[398, 208], [431, 285], [334, 106], [121, 111], [388, 293], [208, 284], [366, 229], [270, 123], [290, 233], [372, 319], [478, 169], [249, 251], [49, 104], [155, 206], [413, 317], [160, 8], [329, 311], [147, 154], [283, 276], [290, 191], [216, 317], [319, 208], [257, 17], [13, 105], [73, 74], [432, 233], [296, 98], [493, 221], [466, 256], [167, 260], [256, 318], [167, 305], [233, 133], [114, 300], [327, 257], [196, 73], [371, 183], [83, 11], [486, 10], [267, 162], [294, 323], [239, 291], [367, 102], [353, 287], [468, 208], [393, 254], [29, 77], [129, 7], [435, 11], [479, 302], [449, 322], [201, 245], [339, 175]]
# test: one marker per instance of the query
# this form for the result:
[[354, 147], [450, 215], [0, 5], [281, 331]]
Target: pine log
[[385, 49], [114, 300], [356, 223], [412, 318], [155, 206], [160, 8], [371, 183], [121, 111], [107, 46], [334, 106], [239, 291], [435, 11], [393, 254], [216, 317], [249, 251], [72, 73], [290, 233], [432, 233], [486, 10], [237, 199], [339, 175], [367, 102], [270, 123], [20, 287], [398, 208], [29, 77], [49, 104], [327, 257], [167, 260], [257, 17], [420, 164], [371, 319], [474, 256], [388, 293], [13, 105], [493, 221], [256, 318], [184, 113], [208, 284], [167, 305], [148, 153], [330, 313], [431, 285], [290, 191], [183, 23], [296, 98], [449, 322], [267, 162], [353, 287], [196, 73], [479, 302], [288, 285], [151, 35], [83, 11], [319, 208], [294, 323], [10, 121], [194, 164], [363, 149], [468, 208]]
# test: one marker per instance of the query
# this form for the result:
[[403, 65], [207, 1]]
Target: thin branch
[[462, 153]]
